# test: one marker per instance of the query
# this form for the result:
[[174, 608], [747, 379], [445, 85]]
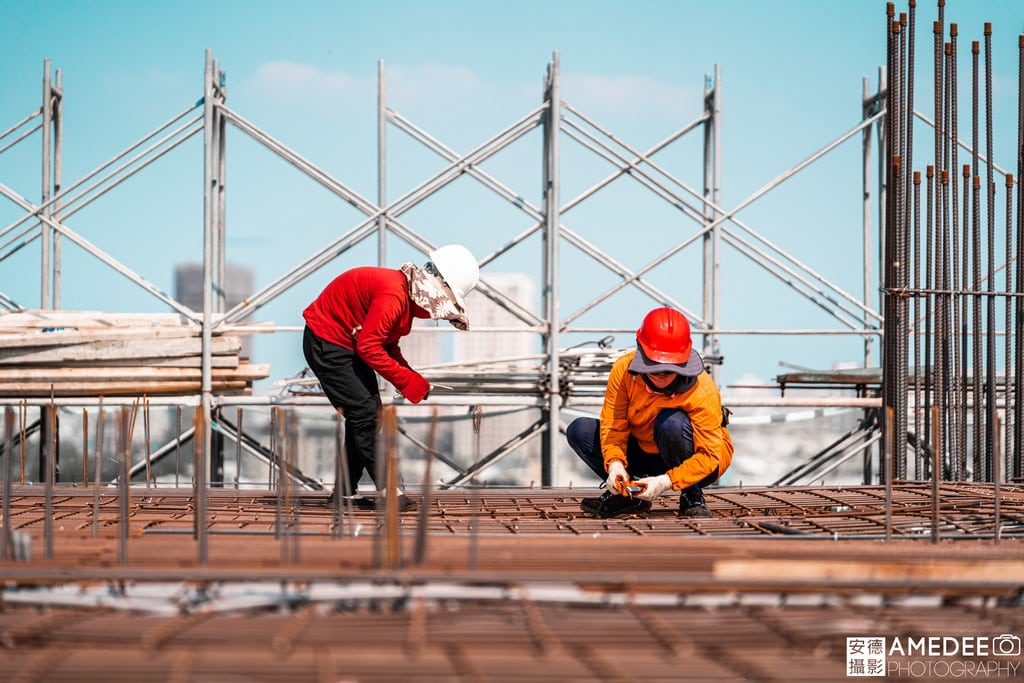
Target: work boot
[[691, 503], [358, 502], [405, 503], [613, 505]]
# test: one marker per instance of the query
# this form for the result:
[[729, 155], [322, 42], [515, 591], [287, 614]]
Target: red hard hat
[[664, 336]]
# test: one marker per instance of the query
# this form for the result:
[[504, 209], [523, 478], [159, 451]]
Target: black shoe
[[691, 503], [358, 502], [405, 503], [613, 505]]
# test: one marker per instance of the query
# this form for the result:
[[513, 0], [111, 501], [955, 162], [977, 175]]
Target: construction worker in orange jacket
[[662, 426], [352, 333]]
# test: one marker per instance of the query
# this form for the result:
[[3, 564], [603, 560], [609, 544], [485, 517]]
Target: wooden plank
[[819, 570], [38, 318], [88, 320], [56, 375], [115, 388], [117, 349], [70, 336], [167, 362]]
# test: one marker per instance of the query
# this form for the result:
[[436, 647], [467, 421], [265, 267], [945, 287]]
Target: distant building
[[239, 283], [478, 344]]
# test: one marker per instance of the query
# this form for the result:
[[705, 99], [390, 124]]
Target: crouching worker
[[352, 333], [662, 426]]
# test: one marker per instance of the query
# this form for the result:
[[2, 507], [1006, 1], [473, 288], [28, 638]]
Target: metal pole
[[868, 104], [382, 123], [552, 125], [203, 431], [712, 199], [58, 178], [47, 230]]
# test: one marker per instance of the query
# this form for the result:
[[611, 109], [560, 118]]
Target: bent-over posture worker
[[352, 333], [662, 426]]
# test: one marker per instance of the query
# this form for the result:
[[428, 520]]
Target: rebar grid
[[459, 640], [80, 517]]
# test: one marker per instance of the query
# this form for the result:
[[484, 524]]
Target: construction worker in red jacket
[[352, 333], [662, 426]]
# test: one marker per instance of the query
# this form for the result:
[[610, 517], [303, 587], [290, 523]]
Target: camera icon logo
[[1006, 645]]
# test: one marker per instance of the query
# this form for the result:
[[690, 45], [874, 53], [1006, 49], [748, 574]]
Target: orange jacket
[[630, 408]]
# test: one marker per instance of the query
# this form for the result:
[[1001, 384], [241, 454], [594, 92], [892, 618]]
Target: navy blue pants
[[673, 434], [351, 386]]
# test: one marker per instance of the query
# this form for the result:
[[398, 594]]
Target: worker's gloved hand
[[655, 486], [417, 389], [616, 472]]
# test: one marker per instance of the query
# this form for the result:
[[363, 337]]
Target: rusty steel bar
[[23, 417], [277, 456], [1018, 327], [958, 397], [85, 446], [124, 453], [936, 475], [200, 444], [391, 551], [976, 325], [1009, 388], [888, 473], [147, 444], [342, 490], [930, 281], [900, 272], [968, 339], [887, 239], [177, 446], [420, 550], [915, 321], [239, 429], [6, 551], [990, 319]]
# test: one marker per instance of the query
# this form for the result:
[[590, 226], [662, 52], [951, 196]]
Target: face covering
[[430, 293], [677, 386]]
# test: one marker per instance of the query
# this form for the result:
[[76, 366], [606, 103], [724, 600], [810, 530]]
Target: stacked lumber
[[88, 353]]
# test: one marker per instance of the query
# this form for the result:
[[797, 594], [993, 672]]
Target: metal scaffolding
[[556, 385]]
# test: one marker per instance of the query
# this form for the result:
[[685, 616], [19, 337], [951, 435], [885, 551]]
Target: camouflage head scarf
[[431, 293]]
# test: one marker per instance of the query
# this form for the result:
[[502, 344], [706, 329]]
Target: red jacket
[[368, 310]]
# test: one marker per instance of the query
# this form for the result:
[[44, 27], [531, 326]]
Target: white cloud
[[629, 93], [427, 84], [284, 79], [424, 85], [431, 85]]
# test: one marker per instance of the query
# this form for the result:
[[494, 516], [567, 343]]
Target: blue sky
[[306, 72]]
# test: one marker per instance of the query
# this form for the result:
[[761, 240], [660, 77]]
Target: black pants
[[673, 433], [351, 387]]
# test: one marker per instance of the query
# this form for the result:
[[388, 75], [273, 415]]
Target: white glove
[[616, 471], [655, 487]]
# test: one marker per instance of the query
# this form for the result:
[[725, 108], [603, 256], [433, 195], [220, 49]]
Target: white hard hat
[[458, 267]]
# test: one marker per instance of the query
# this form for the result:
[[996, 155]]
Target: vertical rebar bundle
[[966, 420]]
